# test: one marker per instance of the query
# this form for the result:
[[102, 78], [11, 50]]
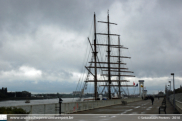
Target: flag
[[136, 85]]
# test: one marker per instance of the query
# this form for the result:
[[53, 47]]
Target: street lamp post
[[173, 91], [60, 101], [168, 92], [170, 85]]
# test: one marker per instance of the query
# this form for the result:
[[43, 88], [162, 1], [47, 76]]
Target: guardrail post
[[31, 109], [55, 108], [44, 108]]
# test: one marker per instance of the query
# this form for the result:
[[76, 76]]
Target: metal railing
[[178, 101], [179, 106], [71, 107], [51, 108]]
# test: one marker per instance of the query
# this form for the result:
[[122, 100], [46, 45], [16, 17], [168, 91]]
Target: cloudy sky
[[43, 43]]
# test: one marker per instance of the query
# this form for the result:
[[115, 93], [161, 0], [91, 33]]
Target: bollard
[[60, 101]]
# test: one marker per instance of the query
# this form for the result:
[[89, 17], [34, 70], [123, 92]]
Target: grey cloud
[[64, 13], [155, 39], [49, 35]]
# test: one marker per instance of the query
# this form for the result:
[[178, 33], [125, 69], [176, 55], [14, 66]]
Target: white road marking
[[137, 107], [127, 111], [149, 108]]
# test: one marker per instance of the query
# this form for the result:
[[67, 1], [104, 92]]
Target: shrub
[[9, 110]]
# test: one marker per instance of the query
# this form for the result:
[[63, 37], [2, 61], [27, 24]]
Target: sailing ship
[[27, 101], [112, 69]]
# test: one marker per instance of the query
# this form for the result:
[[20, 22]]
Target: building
[[4, 93], [23, 94], [11, 94], [3, 90], [161, 94]]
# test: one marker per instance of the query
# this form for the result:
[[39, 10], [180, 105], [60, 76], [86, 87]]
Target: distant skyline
[[43, 43]]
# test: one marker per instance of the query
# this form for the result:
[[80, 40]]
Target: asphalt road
[[139, 107]]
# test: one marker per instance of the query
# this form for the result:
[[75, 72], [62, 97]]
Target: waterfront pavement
[[135, 111], [139, 107]]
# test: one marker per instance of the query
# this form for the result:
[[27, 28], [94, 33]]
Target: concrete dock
[[139, 107]]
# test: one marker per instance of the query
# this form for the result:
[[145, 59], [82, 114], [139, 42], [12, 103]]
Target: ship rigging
[[112, 69]]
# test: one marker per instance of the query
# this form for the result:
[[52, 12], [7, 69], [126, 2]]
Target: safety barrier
[[51, 108], [178, 101], [71, 107], [179, 106]]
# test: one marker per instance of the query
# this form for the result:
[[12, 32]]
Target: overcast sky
[[43, 43]]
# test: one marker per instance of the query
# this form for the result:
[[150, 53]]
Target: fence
[[178, 101], [87, 105], [72, 107], [51, 108], [179, 106]]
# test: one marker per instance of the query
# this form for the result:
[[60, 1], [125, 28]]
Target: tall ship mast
[[112, 68]]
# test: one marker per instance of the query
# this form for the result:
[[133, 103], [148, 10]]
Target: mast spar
[[119, 83], [95, 58], [108, 59], [110, 68]]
